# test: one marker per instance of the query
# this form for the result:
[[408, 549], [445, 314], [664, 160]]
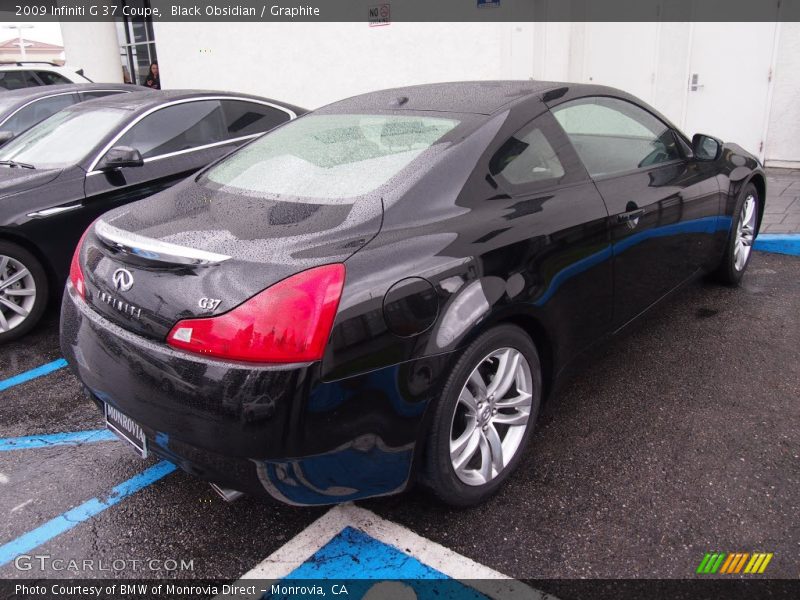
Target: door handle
[[630, 215]]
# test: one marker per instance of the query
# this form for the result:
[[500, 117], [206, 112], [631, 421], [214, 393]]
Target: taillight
[[288, 322], [75, 271]]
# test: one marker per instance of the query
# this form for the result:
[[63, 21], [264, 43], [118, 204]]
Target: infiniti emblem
[[123, 280]]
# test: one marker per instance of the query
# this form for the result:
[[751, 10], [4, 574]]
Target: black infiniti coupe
[[386, 289], [60, 175]]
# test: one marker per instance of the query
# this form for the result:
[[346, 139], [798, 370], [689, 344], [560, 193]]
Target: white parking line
[[297, 551]]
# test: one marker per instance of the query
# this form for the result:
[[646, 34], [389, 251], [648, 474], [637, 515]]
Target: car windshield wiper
[[13, 163]]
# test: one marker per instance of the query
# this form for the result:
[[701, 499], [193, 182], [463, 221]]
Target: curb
[[781, 243]]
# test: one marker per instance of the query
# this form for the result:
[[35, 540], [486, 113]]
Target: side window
[[37, 111], [246, 118], [538, 155], [179, 127], [13, 80], [613, 136], [98, 94], [51, 78]]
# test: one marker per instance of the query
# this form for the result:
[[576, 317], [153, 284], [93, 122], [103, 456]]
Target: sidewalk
[[782, 210]]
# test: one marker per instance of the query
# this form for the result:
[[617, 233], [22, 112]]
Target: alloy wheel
[[745, 233], [491, 416], [17, 293]]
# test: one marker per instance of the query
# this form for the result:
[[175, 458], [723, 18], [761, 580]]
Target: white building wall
[[311, 64], [783, 131], [93, 47]]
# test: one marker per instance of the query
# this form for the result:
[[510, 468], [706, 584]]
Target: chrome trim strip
[[179, 152], [48, 212], [115, 139], [155, 250]]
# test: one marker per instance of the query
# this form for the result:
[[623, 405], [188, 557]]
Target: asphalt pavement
[[679, 438]]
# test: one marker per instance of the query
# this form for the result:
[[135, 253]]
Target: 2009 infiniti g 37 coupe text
[[386, 289]]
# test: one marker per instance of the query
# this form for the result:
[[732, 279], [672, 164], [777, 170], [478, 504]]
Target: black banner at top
[[386, 11]]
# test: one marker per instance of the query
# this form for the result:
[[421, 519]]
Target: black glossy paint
[[439, 254], [52, 238]]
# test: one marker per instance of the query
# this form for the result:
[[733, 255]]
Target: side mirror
[[706, 147], [121, 156], [5, 137]]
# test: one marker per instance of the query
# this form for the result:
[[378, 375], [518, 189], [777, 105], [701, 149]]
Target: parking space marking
[[71, 438], [40, 371], [782, 243], [339, 544], [75, 516]]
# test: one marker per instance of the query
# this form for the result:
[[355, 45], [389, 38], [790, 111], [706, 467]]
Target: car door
[[662, 206], [175, 141], [565, 260]]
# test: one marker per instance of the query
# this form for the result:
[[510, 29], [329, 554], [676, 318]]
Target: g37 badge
[[209, 304]]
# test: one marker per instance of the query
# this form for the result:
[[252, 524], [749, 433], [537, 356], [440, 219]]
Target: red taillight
[[288, 322], [75, 271]]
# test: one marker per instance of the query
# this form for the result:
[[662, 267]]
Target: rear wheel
[[485, 417], [741, 239], [23, 291]]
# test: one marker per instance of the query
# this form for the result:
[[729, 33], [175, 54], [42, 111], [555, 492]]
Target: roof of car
[[478, 97], [25, 95], [150, 99]]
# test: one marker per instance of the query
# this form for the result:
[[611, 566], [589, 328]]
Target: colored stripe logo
[[734, 563]]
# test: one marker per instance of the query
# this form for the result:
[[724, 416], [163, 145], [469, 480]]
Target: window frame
[[92, 170], [677, 134], [574, 169], [29, 102]]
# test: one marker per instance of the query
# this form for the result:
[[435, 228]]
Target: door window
[[51, 78], [37, 111], [526, 157], [246, 118], [174, 128], [614, 136], [14, 80]]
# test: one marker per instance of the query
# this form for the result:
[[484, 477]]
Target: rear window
[[329, 156]]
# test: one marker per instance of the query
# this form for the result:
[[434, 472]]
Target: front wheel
[[484, 418], [23, 291], [741, 239]]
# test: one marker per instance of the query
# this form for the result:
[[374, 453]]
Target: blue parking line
[[782, 243], [73, 517], [71, 438], [45, 369]]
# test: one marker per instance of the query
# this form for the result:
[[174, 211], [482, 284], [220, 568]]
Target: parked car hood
[[17, 179]]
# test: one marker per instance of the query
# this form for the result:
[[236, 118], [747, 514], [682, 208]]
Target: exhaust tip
[[227, 494]]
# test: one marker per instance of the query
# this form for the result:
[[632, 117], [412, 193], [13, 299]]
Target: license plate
[[127, 429]]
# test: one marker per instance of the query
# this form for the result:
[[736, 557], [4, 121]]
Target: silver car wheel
[[17, 293], [491, 416], [745, 233]]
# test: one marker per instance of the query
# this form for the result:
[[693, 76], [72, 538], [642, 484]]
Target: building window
[[137, 46]]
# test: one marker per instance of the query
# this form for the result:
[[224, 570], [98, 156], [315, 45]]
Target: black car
[[60, 175], [22, 109], [386, 289]]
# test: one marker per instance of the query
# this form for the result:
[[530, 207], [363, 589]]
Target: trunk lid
[[191, 251]]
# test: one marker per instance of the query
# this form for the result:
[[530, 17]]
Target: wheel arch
[[26, 244], [760, 182]]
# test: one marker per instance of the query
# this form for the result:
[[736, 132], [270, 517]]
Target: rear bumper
[[276, 431]]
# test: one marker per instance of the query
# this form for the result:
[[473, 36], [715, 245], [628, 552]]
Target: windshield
[[63, 139], [326, 157]]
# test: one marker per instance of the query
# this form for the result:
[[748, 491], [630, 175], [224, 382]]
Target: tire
[[28, 294], [741, 238], [459, 420]]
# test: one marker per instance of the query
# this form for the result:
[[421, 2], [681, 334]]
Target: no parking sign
[[380, 15]]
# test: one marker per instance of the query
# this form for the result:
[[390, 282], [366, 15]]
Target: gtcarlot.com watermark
[[47, 562]]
